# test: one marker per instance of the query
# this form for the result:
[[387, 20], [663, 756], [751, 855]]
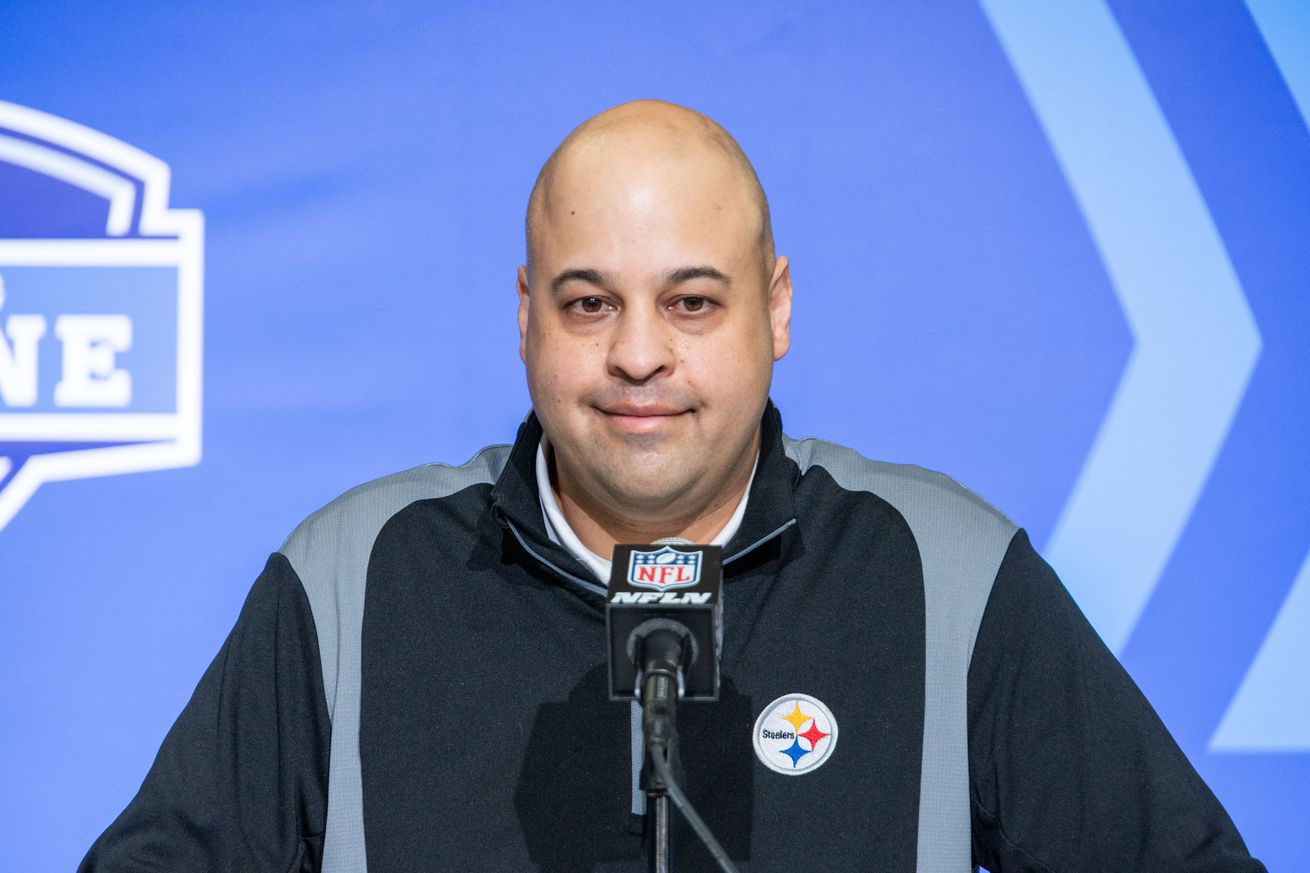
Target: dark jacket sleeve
[[240, 783], [1070, 767]]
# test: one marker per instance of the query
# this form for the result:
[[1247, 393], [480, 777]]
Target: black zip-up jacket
[[417, 682]]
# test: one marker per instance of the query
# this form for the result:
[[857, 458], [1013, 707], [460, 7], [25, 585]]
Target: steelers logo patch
[[795, 734]]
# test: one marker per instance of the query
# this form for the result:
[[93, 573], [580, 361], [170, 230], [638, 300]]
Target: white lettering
[[687, 597], [643, 597], [90, 377], [18, 346]]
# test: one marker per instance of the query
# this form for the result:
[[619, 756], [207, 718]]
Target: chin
[[649, 497]]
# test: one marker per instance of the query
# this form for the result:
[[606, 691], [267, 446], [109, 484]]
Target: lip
[[642, 410], [641, 419]]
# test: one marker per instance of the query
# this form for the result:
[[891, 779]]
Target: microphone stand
[[657, 843], [660, 689], [660, 648]]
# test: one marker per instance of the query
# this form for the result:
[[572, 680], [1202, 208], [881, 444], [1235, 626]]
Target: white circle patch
[[795, 734]]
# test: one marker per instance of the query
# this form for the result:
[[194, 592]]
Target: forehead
[[637, 206]]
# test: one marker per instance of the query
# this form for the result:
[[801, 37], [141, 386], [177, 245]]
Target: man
[[417, 680]]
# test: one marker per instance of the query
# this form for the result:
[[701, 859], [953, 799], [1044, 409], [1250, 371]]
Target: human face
[[649, 329]]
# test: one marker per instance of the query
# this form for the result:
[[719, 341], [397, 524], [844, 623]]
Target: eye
[[588, 305], [693, 304]]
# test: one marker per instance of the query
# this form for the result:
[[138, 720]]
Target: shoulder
[[329, 551], [933, 504], [353, 520]]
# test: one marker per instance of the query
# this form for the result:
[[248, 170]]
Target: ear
[[524, 292], [780, 307]]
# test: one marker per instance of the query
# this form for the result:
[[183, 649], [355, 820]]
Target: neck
[[600, 528]]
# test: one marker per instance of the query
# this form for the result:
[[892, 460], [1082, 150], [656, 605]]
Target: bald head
[[650, 145]]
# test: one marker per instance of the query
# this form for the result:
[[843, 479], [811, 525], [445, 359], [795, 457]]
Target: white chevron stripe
[[1285, 26], [1196, 342], [1271, 710]]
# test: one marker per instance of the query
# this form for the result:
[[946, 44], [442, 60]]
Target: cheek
[[550, 381], [560, 368], [742, 362]]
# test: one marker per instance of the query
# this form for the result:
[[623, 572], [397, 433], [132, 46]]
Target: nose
[[641, 346]]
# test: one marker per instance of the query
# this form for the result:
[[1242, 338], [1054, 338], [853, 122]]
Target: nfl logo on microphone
[[664, 569]]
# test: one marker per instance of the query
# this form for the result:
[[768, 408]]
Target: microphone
[[662, 615]]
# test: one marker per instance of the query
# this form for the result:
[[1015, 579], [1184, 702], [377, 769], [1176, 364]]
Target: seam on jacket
[[962, 541], [1032, 861], [540, 559], [329, 552], [761, 541]]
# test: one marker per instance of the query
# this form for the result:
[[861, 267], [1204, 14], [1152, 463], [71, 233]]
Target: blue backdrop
[[1058, 251]]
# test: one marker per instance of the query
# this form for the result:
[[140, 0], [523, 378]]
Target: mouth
[[642, 418]]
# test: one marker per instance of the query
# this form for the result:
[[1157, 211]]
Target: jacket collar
[[517, 505], [771, 508]]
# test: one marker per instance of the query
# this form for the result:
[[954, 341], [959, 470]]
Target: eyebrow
[[601, 280], [686, 274], [591, 277]]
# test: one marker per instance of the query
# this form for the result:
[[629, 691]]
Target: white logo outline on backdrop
[[175, 437]]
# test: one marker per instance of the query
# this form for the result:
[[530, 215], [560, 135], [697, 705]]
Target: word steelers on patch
[[795, 734]]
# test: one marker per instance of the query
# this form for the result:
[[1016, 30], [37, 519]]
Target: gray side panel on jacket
[[330, 552], [962, 541]]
